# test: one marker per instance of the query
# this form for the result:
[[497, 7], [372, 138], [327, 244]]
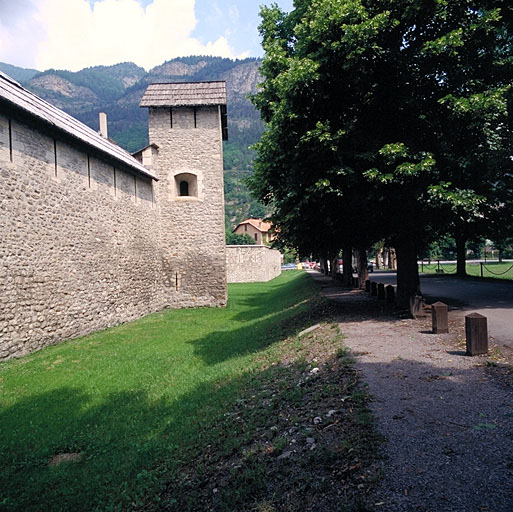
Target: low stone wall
[[252, 263]]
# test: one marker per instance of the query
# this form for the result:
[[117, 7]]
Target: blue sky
[[239, 19], [73, 34]]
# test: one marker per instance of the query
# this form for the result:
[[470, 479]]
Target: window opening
[[195, 118], [256, 237], [115, 187], [245, 227], [10, 140], [89, 171], [171, 117], [184, 188], [55, 155]]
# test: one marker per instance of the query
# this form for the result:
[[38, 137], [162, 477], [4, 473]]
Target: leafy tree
[[236, 239], [371, 108]]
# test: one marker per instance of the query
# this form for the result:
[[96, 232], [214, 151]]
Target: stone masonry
[[88, 242], [193, 235], [252, 263]]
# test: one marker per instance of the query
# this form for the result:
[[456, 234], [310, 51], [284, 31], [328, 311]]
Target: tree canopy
[[385, 119]]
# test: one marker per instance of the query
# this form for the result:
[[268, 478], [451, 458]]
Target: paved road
[[492, 299]]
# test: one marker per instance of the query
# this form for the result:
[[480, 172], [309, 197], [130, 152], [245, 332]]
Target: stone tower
[[187, 122]]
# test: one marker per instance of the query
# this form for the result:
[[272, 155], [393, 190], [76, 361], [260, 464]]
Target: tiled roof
[[20, 98], [259, 224], [184, 94]]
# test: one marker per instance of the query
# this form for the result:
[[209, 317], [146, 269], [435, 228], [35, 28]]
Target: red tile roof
[[259, 224]]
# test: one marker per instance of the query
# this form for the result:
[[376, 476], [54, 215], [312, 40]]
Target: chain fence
[[484, 266], [444, 268]]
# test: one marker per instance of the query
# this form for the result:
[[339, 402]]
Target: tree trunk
[[408, 282], [334, 267], [347, 265], [461, 259], [324, 264], [363, 271]]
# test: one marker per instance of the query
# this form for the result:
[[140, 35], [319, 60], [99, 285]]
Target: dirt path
[[447, 418]]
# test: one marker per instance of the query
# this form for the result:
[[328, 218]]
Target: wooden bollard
[[440, 317], [367, 285], [476, 331], [390, 293], [374, 288], [381, 291]]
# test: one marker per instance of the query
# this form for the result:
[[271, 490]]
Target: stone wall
[[80, 242], [252, 263], [193, 236]]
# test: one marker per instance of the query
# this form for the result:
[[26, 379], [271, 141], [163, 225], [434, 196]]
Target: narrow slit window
[[184, 188], [55, 155], [171, 118], [256, 237], [115, 187], [195, 118], [10, 140], [89, 171]]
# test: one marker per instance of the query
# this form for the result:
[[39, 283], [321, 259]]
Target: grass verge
[[491, 270], [207, 409]]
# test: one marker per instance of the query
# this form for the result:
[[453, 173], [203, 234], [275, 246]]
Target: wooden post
[[440, 317], [390, 293], [381, 291], [367, 285], [374, 288], [476, 331], [355, 282]]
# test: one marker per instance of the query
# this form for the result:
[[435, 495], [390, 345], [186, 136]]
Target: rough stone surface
[[85, 245], [193, 235], [252, 263]]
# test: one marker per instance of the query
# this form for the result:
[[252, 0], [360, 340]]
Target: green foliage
[[236, 239], [385, 120], [105, 81], [21, 75]]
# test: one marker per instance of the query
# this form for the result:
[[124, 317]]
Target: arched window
[[184, 188], [186, 185]]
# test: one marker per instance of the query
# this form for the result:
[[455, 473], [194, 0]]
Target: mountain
[[19, 74], [118, 89]]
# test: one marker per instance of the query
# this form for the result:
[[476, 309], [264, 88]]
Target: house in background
[[261, 232]]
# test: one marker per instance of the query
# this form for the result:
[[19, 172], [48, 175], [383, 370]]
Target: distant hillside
[[19, 74], [118, 89]]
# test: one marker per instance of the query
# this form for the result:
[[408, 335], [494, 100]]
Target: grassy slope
[[134, 399]]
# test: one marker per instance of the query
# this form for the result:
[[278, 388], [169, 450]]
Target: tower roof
[[181, 94]]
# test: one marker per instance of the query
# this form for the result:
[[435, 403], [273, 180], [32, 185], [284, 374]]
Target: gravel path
[[447, 418]]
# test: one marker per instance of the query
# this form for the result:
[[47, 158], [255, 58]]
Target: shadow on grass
[[284, 311], [278, 296], [219, 447], [224, 345], [135, 453]]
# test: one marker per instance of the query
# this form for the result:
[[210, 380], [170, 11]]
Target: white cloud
[[70, 34]]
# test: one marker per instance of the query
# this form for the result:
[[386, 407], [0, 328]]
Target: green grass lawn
[[491, 269], [136, 401]]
